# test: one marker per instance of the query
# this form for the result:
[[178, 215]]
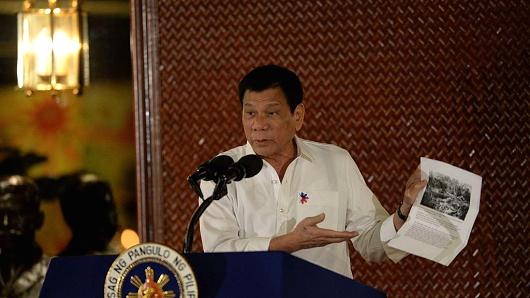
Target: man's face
[[269, 124]]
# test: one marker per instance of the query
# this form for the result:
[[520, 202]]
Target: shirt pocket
[[313, 202]]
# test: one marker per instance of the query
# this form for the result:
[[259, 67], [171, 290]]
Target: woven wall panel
[[388, 80]]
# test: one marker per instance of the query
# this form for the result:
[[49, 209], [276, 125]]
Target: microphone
[[246, 167], [210, 170]]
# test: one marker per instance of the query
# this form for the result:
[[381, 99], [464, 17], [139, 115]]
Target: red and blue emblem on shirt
[[303, 197]]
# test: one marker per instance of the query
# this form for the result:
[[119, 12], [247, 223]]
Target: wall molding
[[144, 47]]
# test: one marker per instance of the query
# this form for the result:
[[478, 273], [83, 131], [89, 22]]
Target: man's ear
[[299, 113]]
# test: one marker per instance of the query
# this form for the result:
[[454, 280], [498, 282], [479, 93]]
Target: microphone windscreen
[[221, 162], [217, 166], [252, 164]]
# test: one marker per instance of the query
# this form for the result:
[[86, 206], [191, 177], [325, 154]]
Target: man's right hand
[[307, 234]]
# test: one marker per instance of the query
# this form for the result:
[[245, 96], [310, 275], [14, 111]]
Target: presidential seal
[[150, 270]]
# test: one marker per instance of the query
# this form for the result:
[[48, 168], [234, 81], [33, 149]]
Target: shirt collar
[[302, 149]]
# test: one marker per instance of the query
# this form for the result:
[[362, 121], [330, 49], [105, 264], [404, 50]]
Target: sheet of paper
[[441, 219]]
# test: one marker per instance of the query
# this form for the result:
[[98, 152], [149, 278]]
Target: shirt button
[[281, 210]]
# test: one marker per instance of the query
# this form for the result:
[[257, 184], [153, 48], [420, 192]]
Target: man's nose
[[260, 122]]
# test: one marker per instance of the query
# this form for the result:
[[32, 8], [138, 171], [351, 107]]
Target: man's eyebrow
[[268, 105]]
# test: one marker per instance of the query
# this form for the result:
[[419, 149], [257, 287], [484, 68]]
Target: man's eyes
[[253, 113]]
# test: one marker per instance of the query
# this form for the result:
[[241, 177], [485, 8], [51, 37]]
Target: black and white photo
[[447, 195]]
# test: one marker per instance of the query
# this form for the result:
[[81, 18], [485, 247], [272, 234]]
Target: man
[[22, 265], [83, 198], [309, 198]]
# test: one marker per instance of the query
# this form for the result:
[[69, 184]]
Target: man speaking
[[309, 198]]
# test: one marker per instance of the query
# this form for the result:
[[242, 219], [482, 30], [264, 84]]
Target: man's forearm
[[282, 243]]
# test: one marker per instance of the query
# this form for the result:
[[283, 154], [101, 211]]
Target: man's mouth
[[261, 141]]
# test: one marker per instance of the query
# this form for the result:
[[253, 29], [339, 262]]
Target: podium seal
[[150, 270]]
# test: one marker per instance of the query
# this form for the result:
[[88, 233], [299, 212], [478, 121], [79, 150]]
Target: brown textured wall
[[388, 80]]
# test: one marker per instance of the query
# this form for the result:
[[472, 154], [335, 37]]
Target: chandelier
[[52, 55]]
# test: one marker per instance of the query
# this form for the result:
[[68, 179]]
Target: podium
[[249, 274]]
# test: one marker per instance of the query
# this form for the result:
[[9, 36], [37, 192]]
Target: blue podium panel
[[251, 274], [76, 276], [270, 274]]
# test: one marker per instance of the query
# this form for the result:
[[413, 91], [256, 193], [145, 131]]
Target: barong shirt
[[322, 178]]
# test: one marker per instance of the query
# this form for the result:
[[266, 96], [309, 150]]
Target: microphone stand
[[218, 192]]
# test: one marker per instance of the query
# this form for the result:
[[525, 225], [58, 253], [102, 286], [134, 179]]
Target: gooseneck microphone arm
[[219, 192]]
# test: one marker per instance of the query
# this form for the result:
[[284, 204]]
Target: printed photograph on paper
[[447, 195]]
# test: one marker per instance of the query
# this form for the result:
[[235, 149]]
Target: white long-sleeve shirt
[[322, 178]]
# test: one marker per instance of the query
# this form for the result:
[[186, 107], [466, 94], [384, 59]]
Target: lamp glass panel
[[66, 49], [35, 48]]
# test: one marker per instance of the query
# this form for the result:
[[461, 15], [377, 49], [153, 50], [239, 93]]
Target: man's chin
[[262, 149]]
